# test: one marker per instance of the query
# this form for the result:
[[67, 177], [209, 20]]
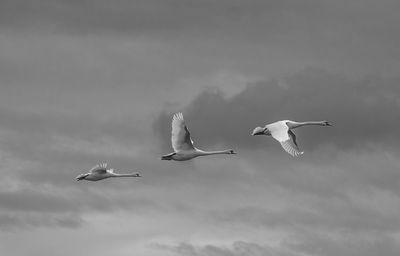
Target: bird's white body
[[183, 144], [281, 131], [100, 172]]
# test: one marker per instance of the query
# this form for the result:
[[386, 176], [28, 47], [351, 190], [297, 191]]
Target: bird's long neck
[[206, 153], [293, 125], [125, 175]]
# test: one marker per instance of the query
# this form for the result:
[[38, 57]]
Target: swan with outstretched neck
[[101, 172], [183, 144], [282, 132]]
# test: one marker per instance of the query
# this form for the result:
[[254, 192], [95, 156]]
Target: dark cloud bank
[[134, 16], [364, 111]]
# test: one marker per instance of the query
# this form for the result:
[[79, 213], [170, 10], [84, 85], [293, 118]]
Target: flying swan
[[100, 172], [282, 132], [183, 144]]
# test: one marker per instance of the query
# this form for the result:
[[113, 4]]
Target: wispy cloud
[[238, 248]]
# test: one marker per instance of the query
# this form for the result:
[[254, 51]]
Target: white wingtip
[[298, 153], [178, 116]]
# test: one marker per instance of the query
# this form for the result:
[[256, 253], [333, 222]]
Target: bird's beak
[[256, 133], [80, 177], [167, 157]]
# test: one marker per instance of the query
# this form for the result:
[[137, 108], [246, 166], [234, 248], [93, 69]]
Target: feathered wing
[[100, 168], [288, 141], [180, 134]]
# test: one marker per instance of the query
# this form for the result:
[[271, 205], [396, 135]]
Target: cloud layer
[[364, 112], [84, 82]]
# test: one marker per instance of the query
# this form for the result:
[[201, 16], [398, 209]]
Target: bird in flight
[[282, 132], [100, 172], [182, 143]]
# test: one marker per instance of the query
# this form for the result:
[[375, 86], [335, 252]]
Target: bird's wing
[[99, 169], [293, 137], [180, 134], [288, 140]]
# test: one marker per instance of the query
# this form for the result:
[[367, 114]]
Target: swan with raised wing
[[183, 144], [282, 132], [100, 172]]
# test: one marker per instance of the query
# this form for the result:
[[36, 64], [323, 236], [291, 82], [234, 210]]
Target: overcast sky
[[84, 82]]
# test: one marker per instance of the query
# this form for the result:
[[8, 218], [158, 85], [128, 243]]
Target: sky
[[86, 82]]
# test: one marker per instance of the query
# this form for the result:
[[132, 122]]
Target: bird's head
[[81, 176], [260, 131], [231, 151], [166, 157], [326, 123]]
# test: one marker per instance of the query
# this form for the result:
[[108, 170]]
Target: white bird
[[183, 144], [282, 132], [100, 172]]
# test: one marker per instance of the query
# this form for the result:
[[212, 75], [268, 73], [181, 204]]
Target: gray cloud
[[55, 201], [142, 15], [54, 139], [139, 17], [363, 111], [31, 200], [238, 248], [336, 216], [84, 126], [45, 205], [43, 152], [300, 242], [121, 15], [14, 221], [323, 33], [343, 244], [281, 34], [83, 81]]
